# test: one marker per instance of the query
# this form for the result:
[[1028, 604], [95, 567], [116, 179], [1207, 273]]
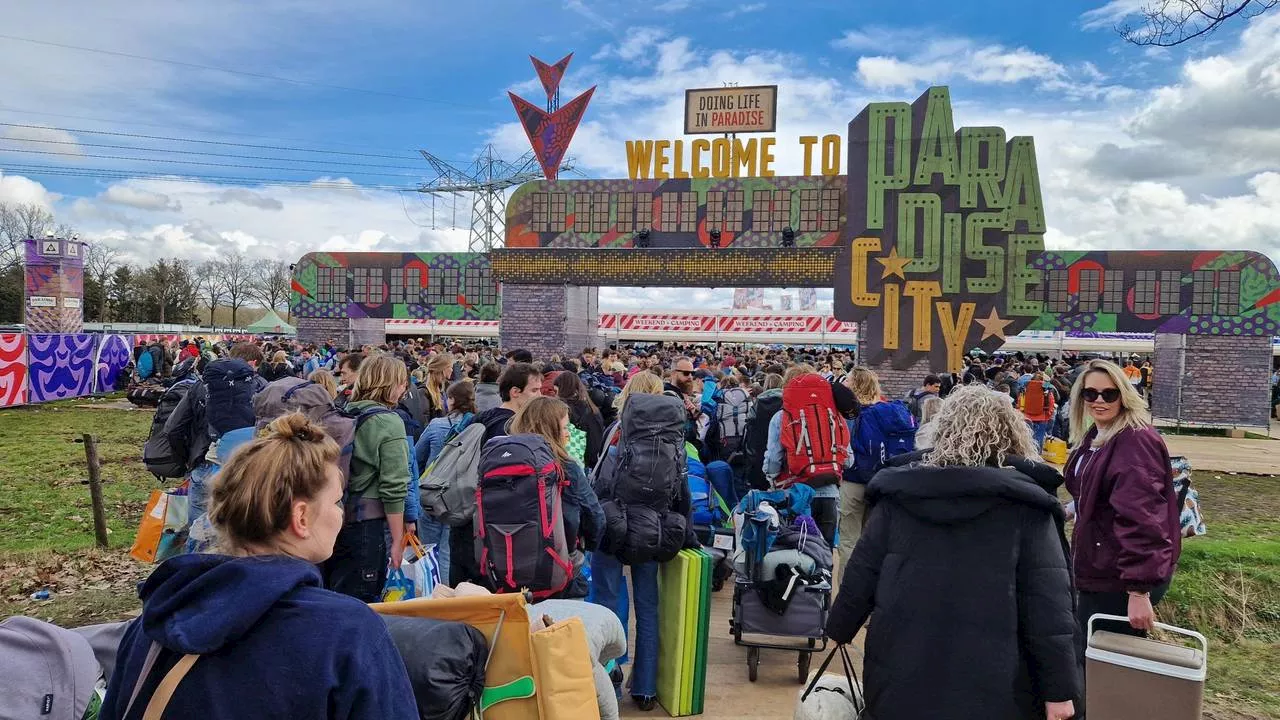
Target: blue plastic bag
[[399, 587]]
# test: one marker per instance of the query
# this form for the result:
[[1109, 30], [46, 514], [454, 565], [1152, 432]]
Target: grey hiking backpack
[[731, 413], [449, 484]]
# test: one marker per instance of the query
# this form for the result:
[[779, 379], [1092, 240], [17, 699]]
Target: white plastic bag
[[422, 566], [832, 697]]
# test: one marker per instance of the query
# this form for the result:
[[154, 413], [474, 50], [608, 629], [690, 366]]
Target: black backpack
[[756, 438], [231, 385], [157, 453], [651, 468]]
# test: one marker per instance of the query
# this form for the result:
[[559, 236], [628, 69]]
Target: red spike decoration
[[550, 133]]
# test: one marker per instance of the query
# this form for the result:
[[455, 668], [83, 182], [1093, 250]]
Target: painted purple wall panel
[[60, 366]]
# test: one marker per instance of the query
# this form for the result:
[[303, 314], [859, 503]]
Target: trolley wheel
[[753, 663], [803, 664]]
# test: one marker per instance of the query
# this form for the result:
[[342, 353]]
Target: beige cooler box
[[1128, 678]]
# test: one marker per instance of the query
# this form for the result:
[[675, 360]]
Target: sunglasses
[[1109, 395]]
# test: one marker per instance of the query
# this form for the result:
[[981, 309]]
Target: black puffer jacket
[[967, 572]]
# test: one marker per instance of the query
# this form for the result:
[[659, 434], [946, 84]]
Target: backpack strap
[[164, 691], [289, 393]]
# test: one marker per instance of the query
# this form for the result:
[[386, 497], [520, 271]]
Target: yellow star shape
[[893, 264], [993, 324]]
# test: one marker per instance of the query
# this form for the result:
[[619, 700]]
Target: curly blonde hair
[[976, 426]]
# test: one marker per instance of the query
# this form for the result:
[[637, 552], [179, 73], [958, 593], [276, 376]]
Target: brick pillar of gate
[[549, 320], [1223, 379], [893, 382]]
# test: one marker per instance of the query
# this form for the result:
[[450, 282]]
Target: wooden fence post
[[95, 490]]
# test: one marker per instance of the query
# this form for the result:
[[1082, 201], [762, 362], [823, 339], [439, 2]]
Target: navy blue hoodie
[[273, 644]]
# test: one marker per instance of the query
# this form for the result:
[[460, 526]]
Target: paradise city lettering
[[961, 216]]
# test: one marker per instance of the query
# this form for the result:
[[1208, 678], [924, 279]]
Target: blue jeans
[[608, 588], [1040, 430]]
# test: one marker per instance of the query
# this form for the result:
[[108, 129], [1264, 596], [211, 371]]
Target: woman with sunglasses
[[1127, 536]]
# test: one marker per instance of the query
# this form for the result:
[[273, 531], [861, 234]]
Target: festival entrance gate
[[934, 243]]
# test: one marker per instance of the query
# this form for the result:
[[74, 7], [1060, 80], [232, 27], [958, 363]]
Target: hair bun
[[295, 426]]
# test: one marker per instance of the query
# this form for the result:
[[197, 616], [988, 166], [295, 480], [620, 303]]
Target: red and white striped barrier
[[770, 327]]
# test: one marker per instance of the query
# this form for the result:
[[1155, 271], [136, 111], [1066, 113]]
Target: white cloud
[[130, 196], [41, 138], [1107, 16], [1218, 118], [744, 9], [673, 6], [1157, 215], [938, 60], [244, 196], [18, 190], [580, 7], [637, 47], [148, 219]]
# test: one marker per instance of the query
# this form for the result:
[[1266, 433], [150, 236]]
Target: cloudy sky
[[281, 127]]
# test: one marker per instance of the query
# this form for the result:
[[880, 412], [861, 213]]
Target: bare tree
[[271, 284], [17, 223], [1166, 23], [99, 266], [237, 279], [211, 286]]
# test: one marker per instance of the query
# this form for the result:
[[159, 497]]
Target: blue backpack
[[881, 431], [146, 366]]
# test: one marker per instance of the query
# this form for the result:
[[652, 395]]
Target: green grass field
[[1228, 582]]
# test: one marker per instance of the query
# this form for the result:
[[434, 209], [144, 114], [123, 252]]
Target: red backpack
[[814, 434]]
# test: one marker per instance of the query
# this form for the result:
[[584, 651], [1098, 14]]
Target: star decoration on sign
[[993, 324], [893, 264]]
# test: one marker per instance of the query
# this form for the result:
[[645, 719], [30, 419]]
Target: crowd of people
[[309, 465]]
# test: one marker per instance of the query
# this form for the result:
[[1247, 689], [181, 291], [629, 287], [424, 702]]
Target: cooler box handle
[[1204, 643]]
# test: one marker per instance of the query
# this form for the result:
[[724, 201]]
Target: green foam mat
[[673, 579]]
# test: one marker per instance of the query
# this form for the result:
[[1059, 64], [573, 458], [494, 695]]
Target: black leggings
[[826, 513]]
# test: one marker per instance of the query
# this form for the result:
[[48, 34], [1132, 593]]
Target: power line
[[202, 153], [139, 136], [195, 162], [260, 76], [107, 174], [134, 122]]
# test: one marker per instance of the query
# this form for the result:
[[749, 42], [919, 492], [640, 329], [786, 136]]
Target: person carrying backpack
[[526, 474], [732, 411], [158, 454], [462, 404], [214, 418], [642, 486], [882, 429], [809, 443], [755, 437], [375, 501], [1039, 405]]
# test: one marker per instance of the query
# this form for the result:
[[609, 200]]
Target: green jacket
[[380, 459]]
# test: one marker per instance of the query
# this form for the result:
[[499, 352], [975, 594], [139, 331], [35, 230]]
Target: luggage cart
[[756, 627], [803, 624]]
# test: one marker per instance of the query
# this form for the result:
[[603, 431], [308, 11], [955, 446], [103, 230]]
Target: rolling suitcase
[[1129, 677]]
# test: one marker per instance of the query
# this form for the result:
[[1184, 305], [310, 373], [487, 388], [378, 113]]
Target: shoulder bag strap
[[164, 691]]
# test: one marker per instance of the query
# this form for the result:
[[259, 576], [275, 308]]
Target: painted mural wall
[[40, 367], [423, 286]]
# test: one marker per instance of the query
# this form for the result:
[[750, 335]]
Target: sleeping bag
[[445, 661]]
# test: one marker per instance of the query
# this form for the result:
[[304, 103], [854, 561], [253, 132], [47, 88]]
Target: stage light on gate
[[642, 239], [788, 237], [714, 237]]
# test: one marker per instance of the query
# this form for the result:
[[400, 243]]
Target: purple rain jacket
[[1127, 534]]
